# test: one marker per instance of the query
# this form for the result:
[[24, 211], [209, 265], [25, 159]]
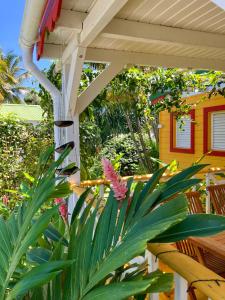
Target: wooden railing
[[204, 280]]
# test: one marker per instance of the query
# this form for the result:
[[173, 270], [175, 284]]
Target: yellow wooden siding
[[185, 159]]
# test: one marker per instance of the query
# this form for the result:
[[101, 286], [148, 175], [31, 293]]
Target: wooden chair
[[217, 197], [204, 257], [195, 205]]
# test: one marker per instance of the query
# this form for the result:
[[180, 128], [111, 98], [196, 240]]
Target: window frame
[[207, 115], [173, 148]]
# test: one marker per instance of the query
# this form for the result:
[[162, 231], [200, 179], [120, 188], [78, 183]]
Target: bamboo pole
[[201, 278], [146, 177]]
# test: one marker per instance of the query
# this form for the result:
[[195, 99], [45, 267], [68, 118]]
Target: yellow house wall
[[186, 159]]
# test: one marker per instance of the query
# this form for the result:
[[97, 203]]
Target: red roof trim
[[181, 150], [50, 16], [206, 115]]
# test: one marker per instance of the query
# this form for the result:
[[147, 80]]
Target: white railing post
[[101, 191], [152, 266], [181, 287], [208, 202]]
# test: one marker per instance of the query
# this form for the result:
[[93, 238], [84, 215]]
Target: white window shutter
[[183, 132], [218, 131]]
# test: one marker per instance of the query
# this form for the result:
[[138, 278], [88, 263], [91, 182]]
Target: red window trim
[[181, 150], [206, 112], [49, 18]]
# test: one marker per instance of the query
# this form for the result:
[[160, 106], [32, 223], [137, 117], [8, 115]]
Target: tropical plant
[[44, 257], [12, 76], [21, 144]]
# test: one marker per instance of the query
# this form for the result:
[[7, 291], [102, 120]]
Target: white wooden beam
[[141, 32], [146, 33], [72, 86], [70, 19], [88, 95], [138, 58], [100, 15]]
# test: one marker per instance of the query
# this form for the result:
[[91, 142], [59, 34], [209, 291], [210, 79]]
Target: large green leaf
[[198, 225], [154, 283], [134, 242], [38, 276]]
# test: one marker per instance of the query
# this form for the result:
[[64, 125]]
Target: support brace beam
[[100, 15], [148, 59], [87, 96], [75, 72]]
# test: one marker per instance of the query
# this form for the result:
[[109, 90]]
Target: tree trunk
[[145, 151], [130, 126]]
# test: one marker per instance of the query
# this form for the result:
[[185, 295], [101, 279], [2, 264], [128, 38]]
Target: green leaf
[[120, 291], [177, 187], [39, 255], [54, 235], [185, 174], [134, 242], [198, 225]]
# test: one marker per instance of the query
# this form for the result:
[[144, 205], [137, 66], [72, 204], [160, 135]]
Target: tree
[[12, 78]]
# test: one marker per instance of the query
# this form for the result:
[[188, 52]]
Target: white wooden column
[[72, 70], [181, 287], [153, 265]]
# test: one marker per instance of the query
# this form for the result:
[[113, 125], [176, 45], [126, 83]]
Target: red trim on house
[[206, 113], [181, 150], [155, 101], [49, 18]]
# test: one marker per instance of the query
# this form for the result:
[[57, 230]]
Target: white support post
[[208, 202], [101, 191], [72, 134], [181, 287], [152, 266], [72, 86]]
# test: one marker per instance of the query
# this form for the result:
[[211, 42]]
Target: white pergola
[[169, 33]]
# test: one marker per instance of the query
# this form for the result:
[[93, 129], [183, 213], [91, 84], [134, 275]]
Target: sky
[[11, 14]]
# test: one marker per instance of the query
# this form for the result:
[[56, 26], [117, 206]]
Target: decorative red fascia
[[181, 150], [206, 112], [49, 18]]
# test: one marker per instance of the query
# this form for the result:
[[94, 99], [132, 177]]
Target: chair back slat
[[217, 197], [195, 207], [195, 204]]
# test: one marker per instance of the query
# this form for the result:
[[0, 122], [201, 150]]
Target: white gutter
[[28, 36]]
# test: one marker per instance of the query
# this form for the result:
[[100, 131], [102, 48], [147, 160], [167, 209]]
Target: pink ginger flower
[[5, 200], [63, 208], [119, 187]]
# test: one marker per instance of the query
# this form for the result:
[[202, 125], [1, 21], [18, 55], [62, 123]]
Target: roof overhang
[[185, 34]]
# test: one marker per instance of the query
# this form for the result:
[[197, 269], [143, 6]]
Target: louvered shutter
[[218, 131], [183, 132]]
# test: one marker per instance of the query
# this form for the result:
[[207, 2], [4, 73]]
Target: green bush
[[122, 151], [20, 146]]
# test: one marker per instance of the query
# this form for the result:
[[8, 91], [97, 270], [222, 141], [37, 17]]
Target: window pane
[[183, 133], [218, 131]]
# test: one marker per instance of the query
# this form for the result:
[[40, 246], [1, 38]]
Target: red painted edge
[[50, 16], [181, 150], [206, 112], [157, 100]]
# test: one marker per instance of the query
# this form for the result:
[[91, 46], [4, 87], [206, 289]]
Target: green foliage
[[20, 146], [43, 257], [122, 150], [24, 228], [45, 98]]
